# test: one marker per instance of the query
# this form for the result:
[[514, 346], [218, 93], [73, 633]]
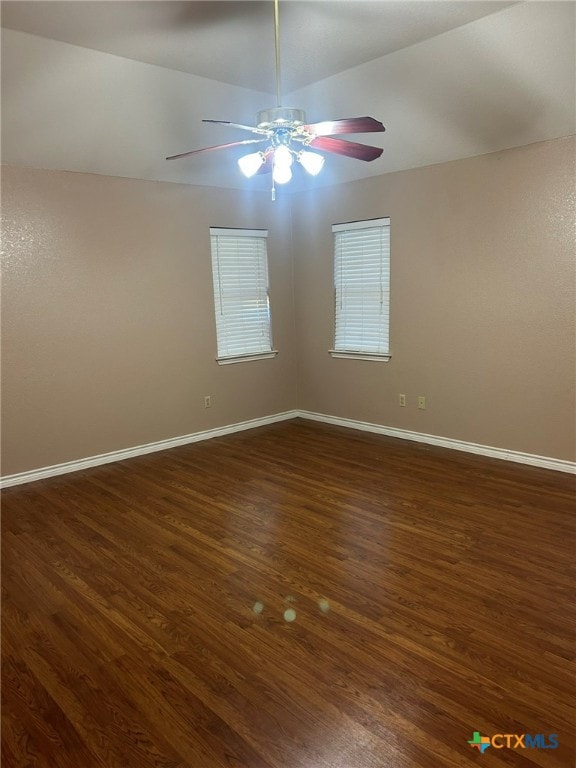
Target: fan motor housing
[[276, 117]]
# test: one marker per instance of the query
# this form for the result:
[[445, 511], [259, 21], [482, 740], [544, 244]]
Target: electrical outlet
[[207, 401], [402, 400], [422, 403]]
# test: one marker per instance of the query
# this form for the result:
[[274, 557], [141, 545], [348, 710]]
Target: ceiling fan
[[290, 137]]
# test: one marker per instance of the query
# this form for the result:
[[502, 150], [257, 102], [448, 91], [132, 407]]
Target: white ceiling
[[113, 87], [233, 42]]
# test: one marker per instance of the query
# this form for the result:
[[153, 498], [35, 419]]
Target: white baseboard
[[139, 450], [545, 462]]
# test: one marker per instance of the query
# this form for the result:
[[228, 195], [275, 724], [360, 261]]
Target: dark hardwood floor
[[130, 638]]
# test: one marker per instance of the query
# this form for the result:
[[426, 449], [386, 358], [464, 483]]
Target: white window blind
[[240, 278], [362, 288]]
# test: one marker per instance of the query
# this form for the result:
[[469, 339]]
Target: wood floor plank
[[130, 638]]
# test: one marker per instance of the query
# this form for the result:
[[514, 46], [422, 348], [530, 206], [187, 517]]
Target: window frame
[[383, 287], [224, 339]]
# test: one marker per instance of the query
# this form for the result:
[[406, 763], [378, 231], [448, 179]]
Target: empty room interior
[[288, 384]]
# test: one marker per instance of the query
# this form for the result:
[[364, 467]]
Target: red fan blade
[[220, 146], [250, 128], [348, 125], [348, 148]]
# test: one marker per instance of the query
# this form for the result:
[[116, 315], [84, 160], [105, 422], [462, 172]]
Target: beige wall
[[482, 294], [108, 325], [108, 331]]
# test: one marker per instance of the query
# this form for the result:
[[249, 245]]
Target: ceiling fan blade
[[250, 128], [348, 125], [219, 146], [347, 148]]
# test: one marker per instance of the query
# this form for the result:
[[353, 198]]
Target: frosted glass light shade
[[283, 156], [250, 164], [281, 173], [282, 161], [312, 162]]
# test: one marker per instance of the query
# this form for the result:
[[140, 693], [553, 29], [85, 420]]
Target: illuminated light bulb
[[250, 164], [283, 156], [282, 161], [281, 174], [312, 162]]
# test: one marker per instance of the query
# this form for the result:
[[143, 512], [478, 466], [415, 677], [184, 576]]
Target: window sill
[[246, 358], [360, 355]]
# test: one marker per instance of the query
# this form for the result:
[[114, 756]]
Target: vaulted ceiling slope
[[114, 87]]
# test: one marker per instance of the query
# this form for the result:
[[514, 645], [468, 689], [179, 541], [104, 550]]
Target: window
[[362, 289], [240, 277]]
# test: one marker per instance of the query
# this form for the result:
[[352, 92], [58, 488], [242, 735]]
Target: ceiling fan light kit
[[289, 137]]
